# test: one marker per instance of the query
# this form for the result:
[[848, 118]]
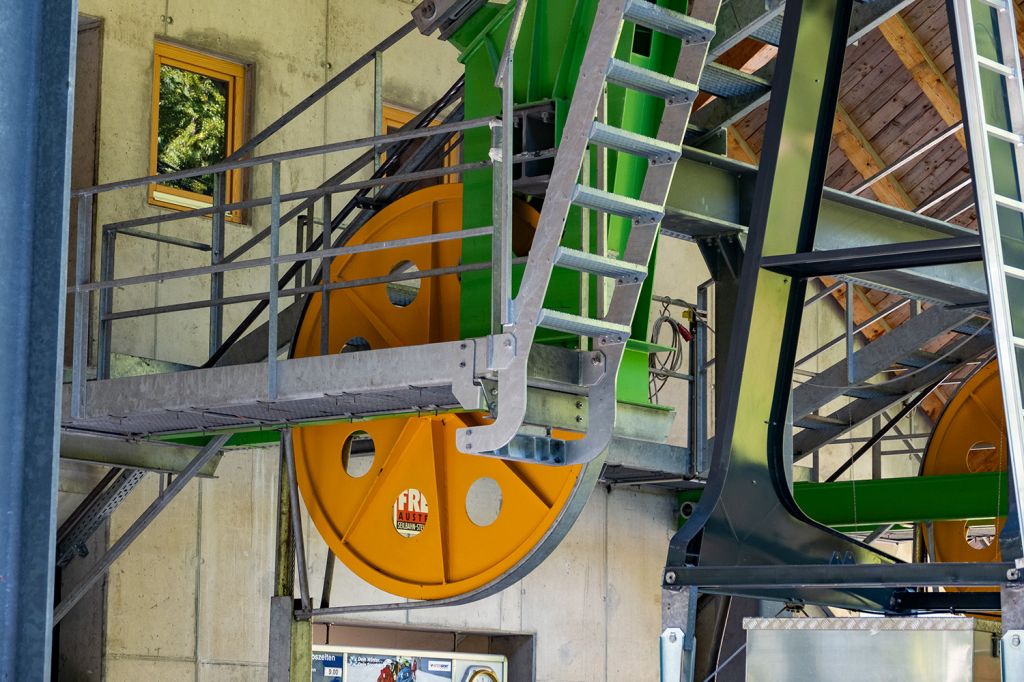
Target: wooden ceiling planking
[[926, 17], [861, 68], [888, 82], [886, 110], [883, 135], [948, 151], [934, 173]]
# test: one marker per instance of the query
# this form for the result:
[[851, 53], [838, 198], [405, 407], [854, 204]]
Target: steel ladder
[[989, 71], [609, 334]]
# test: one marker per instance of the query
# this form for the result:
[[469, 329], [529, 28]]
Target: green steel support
[[747, 515], [916, 499], [548, 57]]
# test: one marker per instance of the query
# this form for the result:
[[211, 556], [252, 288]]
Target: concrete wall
[[294, 47]]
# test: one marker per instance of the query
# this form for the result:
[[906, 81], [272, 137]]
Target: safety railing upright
[[83, 286]]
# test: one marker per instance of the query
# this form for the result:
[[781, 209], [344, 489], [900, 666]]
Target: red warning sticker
[[409, 512]]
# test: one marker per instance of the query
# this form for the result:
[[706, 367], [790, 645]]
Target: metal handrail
[[318, 150]]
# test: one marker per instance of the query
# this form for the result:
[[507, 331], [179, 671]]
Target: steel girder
[[741, 19], [719, 213], [747, 515]]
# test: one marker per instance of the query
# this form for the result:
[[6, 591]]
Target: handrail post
[[501, 177], [216, 256], [325, 278], [108, 251], [275, 248], [80, 333]]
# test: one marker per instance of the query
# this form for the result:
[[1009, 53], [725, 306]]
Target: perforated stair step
[[600, 265], [577, 325], [689, 30], [633, 143], [651, 82]]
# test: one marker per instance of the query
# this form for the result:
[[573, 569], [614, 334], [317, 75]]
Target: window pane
[[192, 127]]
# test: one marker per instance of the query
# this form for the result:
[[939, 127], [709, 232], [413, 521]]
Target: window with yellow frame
[[199, 107], [393, 118]]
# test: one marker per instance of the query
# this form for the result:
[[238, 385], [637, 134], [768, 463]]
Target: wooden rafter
[[738, 148], [866, 160], [924, 71]]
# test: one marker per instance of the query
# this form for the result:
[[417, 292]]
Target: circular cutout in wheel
[[400, 505]]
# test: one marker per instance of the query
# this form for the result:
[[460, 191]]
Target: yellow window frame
[[396, 117], [235, 74]]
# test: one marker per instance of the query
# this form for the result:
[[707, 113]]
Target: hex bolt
[[670, 577], [508, 343], [579, 419], [1015, 640], [494, 391], [1012, 574], [579, 404], [462, 364], [672, 637], [429, 10], [595, 359]]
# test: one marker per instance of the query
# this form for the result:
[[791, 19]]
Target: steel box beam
[[865, 504], [873, 258], [722, 208], [830, 576]]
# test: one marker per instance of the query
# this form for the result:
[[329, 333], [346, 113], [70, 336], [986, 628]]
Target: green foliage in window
[[192, 128]]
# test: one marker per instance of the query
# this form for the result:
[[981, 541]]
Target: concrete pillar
[[37, 46]]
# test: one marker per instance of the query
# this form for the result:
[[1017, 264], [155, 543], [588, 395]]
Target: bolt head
[[1015, 640], [508, 343], [670, 577], [595, 360], [672, 637], [579, 419], [1012, 574], [579, 404]]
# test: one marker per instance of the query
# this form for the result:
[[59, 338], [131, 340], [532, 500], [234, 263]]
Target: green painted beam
[[860, 504]]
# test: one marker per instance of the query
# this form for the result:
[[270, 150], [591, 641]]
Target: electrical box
[[946, 649], [344, 664]]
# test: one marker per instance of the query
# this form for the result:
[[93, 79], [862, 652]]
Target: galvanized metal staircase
[[609, 333], [903, 372]]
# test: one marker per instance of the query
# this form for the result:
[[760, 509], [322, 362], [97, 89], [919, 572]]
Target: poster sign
[[328, 667], [397, 668], [409, 513]]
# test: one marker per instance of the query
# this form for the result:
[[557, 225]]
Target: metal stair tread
[[579, 325], [582, 261], [723, 81], [651, 82], [819, 422], [609, 202], [669, 22], [634, 143]]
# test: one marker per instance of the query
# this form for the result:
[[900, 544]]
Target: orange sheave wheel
[[392, 497], [970, 437]]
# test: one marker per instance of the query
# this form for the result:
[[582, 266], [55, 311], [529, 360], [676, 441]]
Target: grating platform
[[350, 385]]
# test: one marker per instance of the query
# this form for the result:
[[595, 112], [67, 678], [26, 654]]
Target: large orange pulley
[[392, 497], [970, 437]]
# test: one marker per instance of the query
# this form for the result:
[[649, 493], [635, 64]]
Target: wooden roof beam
[[924, 71], [866, 160]]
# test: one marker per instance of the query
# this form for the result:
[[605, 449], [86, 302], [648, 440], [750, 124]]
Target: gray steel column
[[37, 46]]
